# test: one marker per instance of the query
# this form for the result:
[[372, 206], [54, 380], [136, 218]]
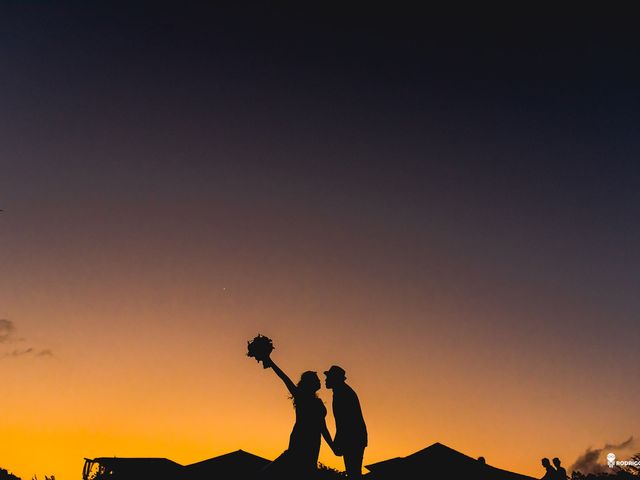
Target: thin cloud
[[19, 353], [7, 337], [29, 352], [6, 330], [591, 462], [627, 443]]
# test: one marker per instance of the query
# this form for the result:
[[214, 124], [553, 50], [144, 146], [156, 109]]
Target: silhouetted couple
[[553, 473], [300, 460]]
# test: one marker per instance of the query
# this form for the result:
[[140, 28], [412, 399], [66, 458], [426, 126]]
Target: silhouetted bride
[[301, 457]]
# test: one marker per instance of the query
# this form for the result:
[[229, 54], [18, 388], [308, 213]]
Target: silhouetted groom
[[351, 431]]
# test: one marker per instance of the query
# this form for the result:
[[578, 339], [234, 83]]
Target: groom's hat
[[335, 371]]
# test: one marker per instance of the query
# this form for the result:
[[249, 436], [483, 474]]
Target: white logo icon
[[611, 459]]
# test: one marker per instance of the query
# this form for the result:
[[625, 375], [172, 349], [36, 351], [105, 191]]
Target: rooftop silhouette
[[240, 464], [440, 461]]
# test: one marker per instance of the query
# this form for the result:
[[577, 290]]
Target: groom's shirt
[[351, 431]]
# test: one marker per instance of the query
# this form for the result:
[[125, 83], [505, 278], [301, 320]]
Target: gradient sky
[[448, 208]]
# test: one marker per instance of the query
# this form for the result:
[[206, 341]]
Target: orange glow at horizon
[[148, 323], [173, 381]]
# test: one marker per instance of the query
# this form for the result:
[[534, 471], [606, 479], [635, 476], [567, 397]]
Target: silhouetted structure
[[439, 461], [116, 468], [239, 465]]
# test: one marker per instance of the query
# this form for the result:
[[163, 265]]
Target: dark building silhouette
[[117, 468], [239, 465], [439, 461], [434, 462]]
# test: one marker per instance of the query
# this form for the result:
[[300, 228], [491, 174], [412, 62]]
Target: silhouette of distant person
[[561, 473], [300, 460], [351, 432], [551, 472]]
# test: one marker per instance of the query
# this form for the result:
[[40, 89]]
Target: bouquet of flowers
[[260, 348]]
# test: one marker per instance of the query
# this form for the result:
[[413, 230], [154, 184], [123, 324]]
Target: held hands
[[337, 451]]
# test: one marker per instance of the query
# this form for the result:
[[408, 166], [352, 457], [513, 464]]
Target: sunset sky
[[447, 208]]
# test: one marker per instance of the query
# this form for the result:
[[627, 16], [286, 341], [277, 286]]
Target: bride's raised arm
[[283, 376]]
